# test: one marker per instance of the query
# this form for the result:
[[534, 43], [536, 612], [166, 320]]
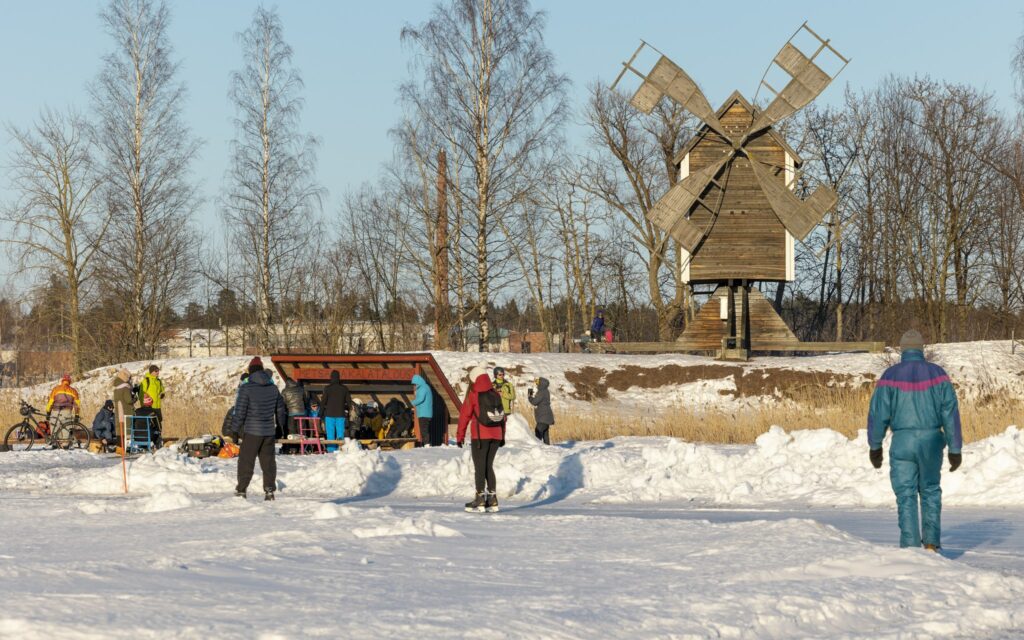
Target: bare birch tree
[[273, 196], [147, 151], [56, 223], [486, 84]]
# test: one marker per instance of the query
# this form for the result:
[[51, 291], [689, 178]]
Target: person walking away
[[335, 403], [155, 425], [104, 428], [124, 403], [259, 411], [482, 414], [597, 326], [505, 389], [423, 403], [295, 401], [153, 387], [916, 400], [542, 413], [64, 399]]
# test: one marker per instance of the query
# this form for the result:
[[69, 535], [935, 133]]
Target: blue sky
[[352, 60]]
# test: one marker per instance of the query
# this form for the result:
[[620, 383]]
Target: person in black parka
[[259, 411], [542, 413], [335, 403]]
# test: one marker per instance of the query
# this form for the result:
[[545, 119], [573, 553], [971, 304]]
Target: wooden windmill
[[733, 211]]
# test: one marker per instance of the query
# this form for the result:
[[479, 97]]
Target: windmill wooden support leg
[[736, 343]]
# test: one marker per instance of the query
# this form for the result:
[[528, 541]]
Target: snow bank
[[629, 385], [815, 467]]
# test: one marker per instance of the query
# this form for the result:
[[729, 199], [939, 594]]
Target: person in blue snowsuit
[[916, 400], [423, 403]]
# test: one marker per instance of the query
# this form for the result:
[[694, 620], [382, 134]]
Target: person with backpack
[[484, 416], [259, 411], [153, 387], [916, 399], [335, 403], [505, 389], [104, 428], [542, 414], [423, 403], [64, 399]]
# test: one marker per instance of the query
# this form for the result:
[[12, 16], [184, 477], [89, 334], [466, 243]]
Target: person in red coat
[[482, 412]]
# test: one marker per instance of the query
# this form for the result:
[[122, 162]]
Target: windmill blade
[[807, 81], [798, 216], [669, 214], [667, 78]]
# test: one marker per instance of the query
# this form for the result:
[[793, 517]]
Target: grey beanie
[[912, 339]]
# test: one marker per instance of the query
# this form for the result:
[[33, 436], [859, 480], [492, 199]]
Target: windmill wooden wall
[[747, 241], [707, 329]]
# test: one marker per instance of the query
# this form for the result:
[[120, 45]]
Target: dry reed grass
[[838, 408], [842, 410]]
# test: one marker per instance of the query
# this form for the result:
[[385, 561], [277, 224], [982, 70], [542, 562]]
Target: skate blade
[[475, 510], [493, 509]]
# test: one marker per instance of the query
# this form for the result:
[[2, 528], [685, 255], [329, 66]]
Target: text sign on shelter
[[396, 375]]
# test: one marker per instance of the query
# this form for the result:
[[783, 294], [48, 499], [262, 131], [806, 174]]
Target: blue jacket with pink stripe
[[914, 394]]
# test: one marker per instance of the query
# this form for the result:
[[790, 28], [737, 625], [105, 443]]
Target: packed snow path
[[370, 568], [794, 537]]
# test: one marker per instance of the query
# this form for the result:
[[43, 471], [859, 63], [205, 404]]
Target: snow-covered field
[[793, 537]]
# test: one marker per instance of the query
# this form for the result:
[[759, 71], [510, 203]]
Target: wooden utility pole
[[442, 314]]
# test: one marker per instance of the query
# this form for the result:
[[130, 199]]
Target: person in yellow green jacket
[[505, 389], [153, 387]]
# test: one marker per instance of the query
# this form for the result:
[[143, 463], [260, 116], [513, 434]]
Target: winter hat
[[475, 373], [66, 378], [123, 374], [147, 401], [109, 404], [255, 365], [912, 339]]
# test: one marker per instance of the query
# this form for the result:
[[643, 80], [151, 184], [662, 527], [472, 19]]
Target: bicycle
[[70, 434]]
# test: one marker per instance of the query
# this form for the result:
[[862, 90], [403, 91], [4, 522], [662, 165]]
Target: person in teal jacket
[[916, 400], [423, 403]]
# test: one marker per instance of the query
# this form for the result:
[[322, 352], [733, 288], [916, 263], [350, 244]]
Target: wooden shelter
[[377, 377]]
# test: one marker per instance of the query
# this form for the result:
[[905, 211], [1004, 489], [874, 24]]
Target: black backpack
[[492, 412]]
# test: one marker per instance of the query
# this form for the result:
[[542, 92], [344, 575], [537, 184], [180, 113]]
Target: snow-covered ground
[[625, 384], [792, 537]]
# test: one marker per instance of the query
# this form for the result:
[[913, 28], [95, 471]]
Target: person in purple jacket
[[916, 400]]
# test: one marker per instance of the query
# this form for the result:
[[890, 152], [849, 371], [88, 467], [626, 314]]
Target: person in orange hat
[[64, 399]]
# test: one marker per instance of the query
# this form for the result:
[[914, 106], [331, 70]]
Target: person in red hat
[[64, 399]]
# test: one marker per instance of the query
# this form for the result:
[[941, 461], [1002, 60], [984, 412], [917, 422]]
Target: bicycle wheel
[[72, 435], [20, 437]]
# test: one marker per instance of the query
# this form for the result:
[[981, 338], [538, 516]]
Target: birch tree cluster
[[516, 200]]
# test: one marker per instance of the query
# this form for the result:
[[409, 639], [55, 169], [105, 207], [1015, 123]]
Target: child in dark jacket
[[542, 413]]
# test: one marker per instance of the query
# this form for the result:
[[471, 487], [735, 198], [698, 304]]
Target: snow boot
[[478, 504], [239, 494], [268, 496], [491, 502], [931, 547]]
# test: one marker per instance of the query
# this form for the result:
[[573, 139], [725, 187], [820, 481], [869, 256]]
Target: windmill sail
[[667, 78], [798, 216], [669, 214]]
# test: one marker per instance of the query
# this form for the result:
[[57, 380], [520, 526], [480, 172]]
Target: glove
[[459, 444], [502, 443], [876, 458], [954, 461]]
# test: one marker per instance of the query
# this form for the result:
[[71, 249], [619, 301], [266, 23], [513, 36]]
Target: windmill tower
[[733, 211]]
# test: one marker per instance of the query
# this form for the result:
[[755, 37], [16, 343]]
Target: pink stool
[[309, 435]]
